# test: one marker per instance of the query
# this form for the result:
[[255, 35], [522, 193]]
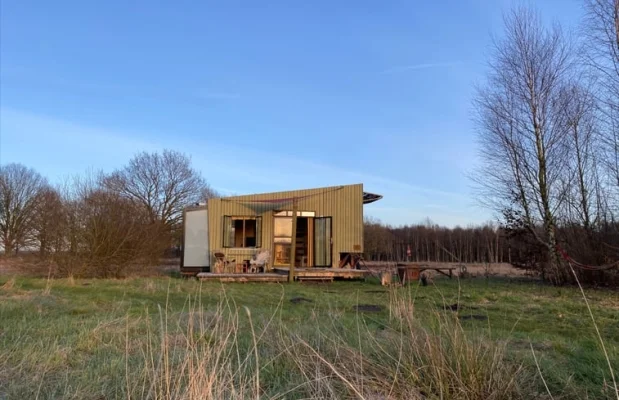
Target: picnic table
[[411, 271]]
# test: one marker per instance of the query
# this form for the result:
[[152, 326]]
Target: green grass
[[106, 339]]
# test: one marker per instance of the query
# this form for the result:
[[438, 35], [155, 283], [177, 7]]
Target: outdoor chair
[[260, 262], [222, 264]]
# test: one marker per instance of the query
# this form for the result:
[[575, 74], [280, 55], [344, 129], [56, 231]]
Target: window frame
[[226, 232], [288, 213]]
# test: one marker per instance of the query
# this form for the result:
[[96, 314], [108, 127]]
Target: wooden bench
[[405, 270]]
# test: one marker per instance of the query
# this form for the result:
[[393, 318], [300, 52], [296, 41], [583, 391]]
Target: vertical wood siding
[[344, 204]]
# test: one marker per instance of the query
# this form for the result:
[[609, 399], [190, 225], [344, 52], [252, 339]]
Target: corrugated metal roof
[[370, 197], [367, 197]]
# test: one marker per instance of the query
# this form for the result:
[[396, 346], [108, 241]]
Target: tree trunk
[[8, 248]]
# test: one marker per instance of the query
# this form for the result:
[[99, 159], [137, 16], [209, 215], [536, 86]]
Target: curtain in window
[[258, 231], [228, 232], [322, 242]]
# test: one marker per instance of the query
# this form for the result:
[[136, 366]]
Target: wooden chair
[[222, 264], [350, 259]]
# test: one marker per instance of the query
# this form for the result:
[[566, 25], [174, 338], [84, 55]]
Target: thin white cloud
[[413, 67], [213, 157], [225, 191], [28, 137], [325, 171], [56, 147], [168, 95]]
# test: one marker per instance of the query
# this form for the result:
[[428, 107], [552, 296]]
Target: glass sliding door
[[282, 238], [322, 242]]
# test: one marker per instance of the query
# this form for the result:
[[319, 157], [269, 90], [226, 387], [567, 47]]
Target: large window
[[242, 232], [299, 214]]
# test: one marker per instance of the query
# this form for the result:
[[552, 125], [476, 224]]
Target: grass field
[[174, 338]]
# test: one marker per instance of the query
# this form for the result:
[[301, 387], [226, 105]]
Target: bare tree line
[[431, 242], [99, 224], [548, 129]]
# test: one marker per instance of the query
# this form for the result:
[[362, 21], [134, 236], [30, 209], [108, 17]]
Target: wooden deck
[[207, 276], [281, 275], [322, 274]]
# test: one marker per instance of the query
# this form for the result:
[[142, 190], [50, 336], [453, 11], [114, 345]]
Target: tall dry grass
[[226, 353], [195, 354], [404, 360]]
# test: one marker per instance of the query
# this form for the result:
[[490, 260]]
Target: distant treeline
[[593, 252], [430, 242]]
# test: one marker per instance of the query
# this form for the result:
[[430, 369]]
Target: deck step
[[315, 278], [261, 277], [323, 273]]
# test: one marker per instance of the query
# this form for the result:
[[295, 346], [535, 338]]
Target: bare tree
[[106, 234], [20, 189], [49, 222], [116, 235], [577, 111], [601, 54], [208, 193], [163, 184], [601, 27], [521, 135]]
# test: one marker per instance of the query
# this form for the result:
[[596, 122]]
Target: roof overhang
[[370, 197]]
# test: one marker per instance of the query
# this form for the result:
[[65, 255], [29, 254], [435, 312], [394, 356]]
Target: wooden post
[[293, 245]]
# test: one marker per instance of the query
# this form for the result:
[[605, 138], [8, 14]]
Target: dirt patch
[[298, 300], [608, 303], [472, 269], [456, 307], [368, 308]]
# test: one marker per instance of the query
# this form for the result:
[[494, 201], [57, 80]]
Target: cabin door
[[322, 242]]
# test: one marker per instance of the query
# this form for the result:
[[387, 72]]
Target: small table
[[409, 271], [245, 266]]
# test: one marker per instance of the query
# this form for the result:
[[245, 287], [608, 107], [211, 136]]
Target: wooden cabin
[[310, 228]]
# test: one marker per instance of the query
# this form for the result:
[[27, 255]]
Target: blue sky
[[263, 96]]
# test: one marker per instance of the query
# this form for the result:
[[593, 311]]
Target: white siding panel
[[196, 251]]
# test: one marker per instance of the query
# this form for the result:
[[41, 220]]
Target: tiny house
[[321, 227]]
